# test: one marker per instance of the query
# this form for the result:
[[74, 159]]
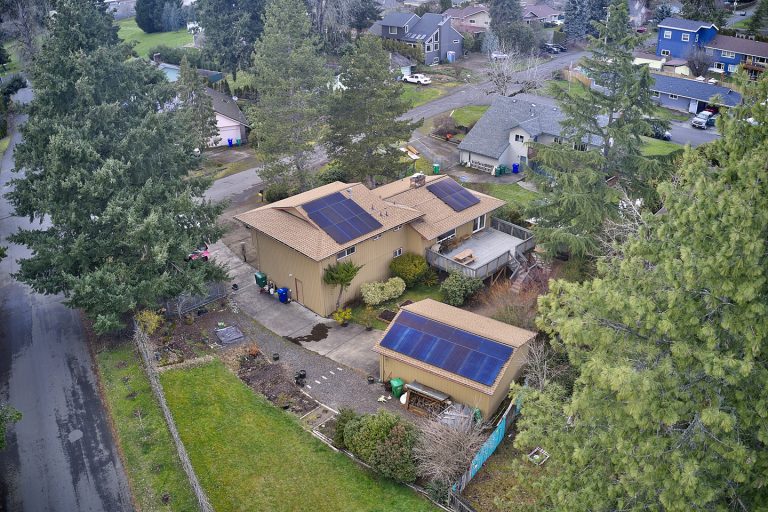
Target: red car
[[200, 253]]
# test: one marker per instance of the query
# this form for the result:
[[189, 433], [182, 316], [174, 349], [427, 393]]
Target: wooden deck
[[492, 250]]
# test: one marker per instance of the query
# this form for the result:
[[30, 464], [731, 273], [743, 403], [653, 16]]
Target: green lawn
[[656, 147], [418, 94], [554, 85], [4, 145], [129, 31], [741, 24], [465, 116], [414, 294], [13, 66], [149, 454], [512, 193], [250, 455]]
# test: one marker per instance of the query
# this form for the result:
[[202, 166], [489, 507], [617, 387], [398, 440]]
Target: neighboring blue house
[[690, 95], [433, 33], [677, 37]]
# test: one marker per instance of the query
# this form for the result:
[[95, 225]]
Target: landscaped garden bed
[[250, 455]]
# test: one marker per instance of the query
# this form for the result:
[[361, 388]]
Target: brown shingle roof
[[438, 217], [739, 45], [540, 11], [467, 321], [287, 222]]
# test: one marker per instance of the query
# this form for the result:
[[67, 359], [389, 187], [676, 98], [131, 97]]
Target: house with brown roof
[[541, 13], [445, 353], [473, 19], [297, 238]]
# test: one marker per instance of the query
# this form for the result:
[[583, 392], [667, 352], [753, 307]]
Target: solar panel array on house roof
[[453, 194], [451, 349], [340, 217]]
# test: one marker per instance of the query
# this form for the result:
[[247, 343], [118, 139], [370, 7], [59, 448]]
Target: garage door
[[228, 132]]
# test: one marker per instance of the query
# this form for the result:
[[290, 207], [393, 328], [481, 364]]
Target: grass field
[[419, 94], [465, 116], [656, 147], [149, 455], [250, 455], [129, 31], [512, 193], [741, 24], [13, 66]]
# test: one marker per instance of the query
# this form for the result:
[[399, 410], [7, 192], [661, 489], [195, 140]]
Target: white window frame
[[346, 252], [697, 38], [436, 47], [667, 34], [391, 29], [377, 237], [405, 29], [447, 235], [557, 140], [655, 94], [727, 55], [720, 66], [580, 146], [673, 96], [519, 138], [685, 37], [427, 48], [436, 37], [665, 53], [397, 252], [478, 224], [732, 68]]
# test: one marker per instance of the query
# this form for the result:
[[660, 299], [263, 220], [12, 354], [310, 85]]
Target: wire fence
[[142, 341]]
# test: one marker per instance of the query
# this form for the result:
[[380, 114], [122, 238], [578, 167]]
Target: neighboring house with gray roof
[[432, 33], [541, 13], [230, 120], [473, 19], [503, 134]]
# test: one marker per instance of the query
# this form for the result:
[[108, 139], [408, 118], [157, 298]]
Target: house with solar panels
[[432, 33], [445, 353], [297, 238]]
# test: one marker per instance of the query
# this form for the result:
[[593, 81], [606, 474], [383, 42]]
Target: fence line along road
[[142, 342]]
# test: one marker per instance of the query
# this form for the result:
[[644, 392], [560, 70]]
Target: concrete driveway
[[61, 456]]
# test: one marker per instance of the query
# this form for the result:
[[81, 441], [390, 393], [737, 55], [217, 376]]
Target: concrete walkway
[[350, 346]]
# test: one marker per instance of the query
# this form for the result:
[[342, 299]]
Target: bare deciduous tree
[[444, 452], [518, 72], [618, 230], [699, 62], [542, 364], [23, 20]]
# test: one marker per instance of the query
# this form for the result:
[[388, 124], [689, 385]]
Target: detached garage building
[[469, 357]]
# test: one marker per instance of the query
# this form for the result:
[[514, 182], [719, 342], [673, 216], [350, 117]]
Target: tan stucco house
[[297, 238], [471, 358], [473, 19]]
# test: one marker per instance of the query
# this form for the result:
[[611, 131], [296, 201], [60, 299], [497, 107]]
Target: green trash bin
[[397, 387], [436, 168], [261, 279]]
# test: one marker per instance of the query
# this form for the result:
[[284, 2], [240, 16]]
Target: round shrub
[[277, 191], [363, 435], [457, 288], [377, 292], [345, 416], [393, 457], [409, 267]]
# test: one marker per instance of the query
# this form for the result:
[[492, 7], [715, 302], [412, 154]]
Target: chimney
[[418, 180]]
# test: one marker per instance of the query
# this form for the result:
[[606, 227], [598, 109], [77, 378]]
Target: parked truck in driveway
[[704, 120]]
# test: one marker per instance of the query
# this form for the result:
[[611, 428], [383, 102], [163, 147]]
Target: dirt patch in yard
[[273, 380], [318, 333]]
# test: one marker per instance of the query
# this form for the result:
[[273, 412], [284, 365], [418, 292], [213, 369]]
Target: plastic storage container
[[282, 294], [515, 168], [397, 387], [261, 279], [436, 168]]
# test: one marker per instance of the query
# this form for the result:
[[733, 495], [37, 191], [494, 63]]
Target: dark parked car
[[559, 48]]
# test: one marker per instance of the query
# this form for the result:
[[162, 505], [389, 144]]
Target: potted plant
[[342, 316]]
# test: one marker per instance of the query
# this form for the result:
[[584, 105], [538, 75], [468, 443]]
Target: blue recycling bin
[[282, 295], [229, 142], [515, 168]]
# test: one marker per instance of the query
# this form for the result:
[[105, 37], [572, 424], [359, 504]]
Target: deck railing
[[518, 232], [442, 262]]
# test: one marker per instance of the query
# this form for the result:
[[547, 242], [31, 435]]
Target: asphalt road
[[736, 17], [61, 455]]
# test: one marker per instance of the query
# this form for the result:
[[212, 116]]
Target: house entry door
[[299, 291]]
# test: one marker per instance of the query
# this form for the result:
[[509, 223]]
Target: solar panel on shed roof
[[340, 217], [454, 350], [453, 194]]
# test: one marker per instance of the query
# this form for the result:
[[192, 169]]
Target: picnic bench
[[465, 257]]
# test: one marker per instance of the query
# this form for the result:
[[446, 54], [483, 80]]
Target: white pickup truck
[[703, 120], [417, 78]]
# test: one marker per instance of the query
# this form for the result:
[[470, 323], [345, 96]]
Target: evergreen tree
[[364, 14], [196, 106], [575, 202], [615, 112], [704, 10], [232, 27], [8, 416], [109, 169], [149, 15], [507, 23], [661, 12], [364, 128], [668, 411], [759, 19], [577, 24], [293, 82]]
